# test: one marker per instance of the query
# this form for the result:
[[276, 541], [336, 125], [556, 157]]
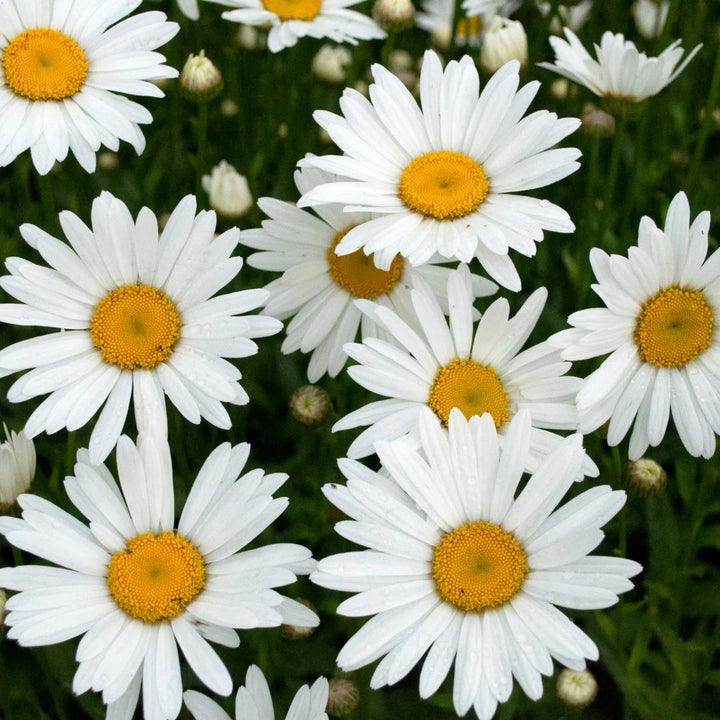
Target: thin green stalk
[[592, 178], [612, 174], [202, 121], [387, 49]]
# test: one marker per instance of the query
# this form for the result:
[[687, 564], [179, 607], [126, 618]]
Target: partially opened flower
[[660, 328], [136, 587], [463, 570], [290, 20], [17, 466], [254, 702], [62, 67], [136, 318], [318, 286], [621, 71], [457, 364], [442, 179]]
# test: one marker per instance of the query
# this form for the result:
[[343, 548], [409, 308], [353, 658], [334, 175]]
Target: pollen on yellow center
[[478, 566], [443, 185], [44, 64], [306, 10], [356, 273], [156, 577], [674, 327], [135, 326], [472, 388]]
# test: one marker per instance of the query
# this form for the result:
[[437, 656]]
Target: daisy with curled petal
[[439, 180], [294, 19], [137, 318], [318, 286], [136, 588], [621, 71], [254, 702], [660, 328], [465, 570], [62, 65], [444, 367]]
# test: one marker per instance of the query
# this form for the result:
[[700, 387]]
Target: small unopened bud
[[249, 38], [17, 467], [3, 600], [310, 404], [343, 697], [229, 108], [394, 15], [505, 40], [107, 160], [597, 122], [576, 688], [228, 191], [200, 80], [330, 63], [560, 88], [646, 475], [299, 632], [650, 16]]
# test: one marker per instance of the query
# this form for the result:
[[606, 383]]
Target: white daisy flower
[[444, 367], [621, 71], [254, 702], [17, 467], [62, 67], [464, 570], [293, 19], [136, 588], [318, 286], [660, 326], [440, 179], [137, 318], [189, 8], [436, 17]]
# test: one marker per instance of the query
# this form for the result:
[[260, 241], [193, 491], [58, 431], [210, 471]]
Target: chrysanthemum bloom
[[136, 587], [444, 367], [465, 571], [621, 71], [17, 466], [293, 19], [254, 702], [137, 318], [660, 326], [318, 286], [62, 65], [439, 180]]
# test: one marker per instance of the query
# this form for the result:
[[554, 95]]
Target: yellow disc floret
[[294, 9], [156, 577], [357, 274], [478, 566], [472, 388], [443, 185], [674, 327], [44, 64], [135, 326]]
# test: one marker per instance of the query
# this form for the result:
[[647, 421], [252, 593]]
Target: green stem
[[201, 146], [608, 196], [387, 49]]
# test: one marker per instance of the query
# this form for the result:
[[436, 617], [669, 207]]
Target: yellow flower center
[[156, 577], [674, 327], [135, 326], [478, 566], [472, 388], [356, 273], [443, 185], [44, 64], [294, 9]]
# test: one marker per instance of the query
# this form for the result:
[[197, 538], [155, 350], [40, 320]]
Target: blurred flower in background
[[17, 466]]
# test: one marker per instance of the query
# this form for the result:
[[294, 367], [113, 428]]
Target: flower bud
[[299, 632], [650, 17], [330, 63], [394, 15], [597, 122], [17, 467], [343, 697], [200, 80], [3, 600], [576, 688], [646, 475], [228, 191], [505, 40], [309, 404]]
